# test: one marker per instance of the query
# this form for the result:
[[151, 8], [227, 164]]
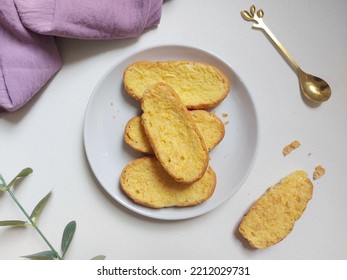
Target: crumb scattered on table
[[227, 122], [290, 147], [319, 171], [224, 115]]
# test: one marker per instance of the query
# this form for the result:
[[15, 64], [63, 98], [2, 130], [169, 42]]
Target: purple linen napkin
[[27, 60], [89, 19], [28, 54]]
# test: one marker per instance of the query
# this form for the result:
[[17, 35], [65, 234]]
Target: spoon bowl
[[314, 88]]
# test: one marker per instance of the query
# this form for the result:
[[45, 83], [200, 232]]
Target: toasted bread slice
[[173, 135], [199, 85], [209, 125], [135, 136], [272, 216], [146, 182]]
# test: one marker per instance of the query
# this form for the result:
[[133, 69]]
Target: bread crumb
[[224, 115], [319, 171], [289, 148], [227, 122]]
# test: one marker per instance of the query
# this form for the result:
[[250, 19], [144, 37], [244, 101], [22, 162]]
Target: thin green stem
[[33, 224], [2, 180]]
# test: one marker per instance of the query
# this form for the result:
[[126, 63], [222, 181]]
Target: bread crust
[[272, 217], [209, 125], [199, 85], [145, 181]]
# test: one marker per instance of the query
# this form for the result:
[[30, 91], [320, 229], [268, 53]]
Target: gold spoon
[[312, 87]]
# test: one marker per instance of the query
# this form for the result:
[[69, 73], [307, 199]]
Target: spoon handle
[[257, 17]]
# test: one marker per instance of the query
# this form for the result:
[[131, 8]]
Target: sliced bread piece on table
[[272, 216], [173, 135], [209, 125], [199, 85], [146, 182]]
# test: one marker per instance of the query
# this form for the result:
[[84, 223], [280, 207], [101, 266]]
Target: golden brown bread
[[135, 136], [272, 216], [290, 147], [173, 134], [199, 85], [209, 125], [146, 182], [318, 172]]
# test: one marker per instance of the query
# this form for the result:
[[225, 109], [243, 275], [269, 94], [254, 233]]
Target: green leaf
[[16, 223], [68, 234], [99, 257], [38, 208], [45, 255], [25, 172]]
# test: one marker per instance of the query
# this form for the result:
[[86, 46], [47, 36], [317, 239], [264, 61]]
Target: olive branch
[[32, 220]]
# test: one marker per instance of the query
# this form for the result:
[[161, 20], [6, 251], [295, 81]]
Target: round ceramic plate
[[110, 108]]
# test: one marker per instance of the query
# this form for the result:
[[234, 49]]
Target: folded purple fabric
[[27, 60], [28, 54], [89, 19]]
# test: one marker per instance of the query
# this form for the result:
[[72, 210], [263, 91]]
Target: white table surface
[[47, 135]]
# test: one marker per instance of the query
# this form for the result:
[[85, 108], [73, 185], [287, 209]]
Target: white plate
[[110, 108]]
